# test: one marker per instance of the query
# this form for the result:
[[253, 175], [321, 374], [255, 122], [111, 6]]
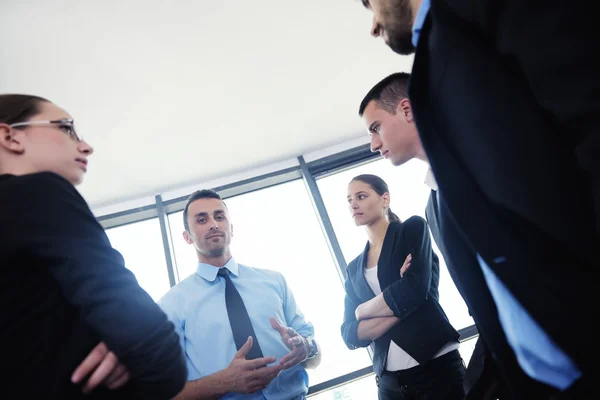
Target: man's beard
[[218, 252], [401, 43], [399, 28]]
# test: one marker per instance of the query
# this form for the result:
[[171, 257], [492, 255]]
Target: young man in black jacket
[[388, 116]]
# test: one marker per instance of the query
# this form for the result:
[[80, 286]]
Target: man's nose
[[375, 28], [375, 143]]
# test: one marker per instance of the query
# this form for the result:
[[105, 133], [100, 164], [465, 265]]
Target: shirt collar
[[209, 272], [430, 180], [420, 20]]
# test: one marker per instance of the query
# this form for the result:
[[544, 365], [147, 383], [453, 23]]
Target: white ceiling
[[173, 94]]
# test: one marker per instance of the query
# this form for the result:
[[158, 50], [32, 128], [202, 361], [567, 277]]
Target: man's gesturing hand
[[300, 349], [249, 376]]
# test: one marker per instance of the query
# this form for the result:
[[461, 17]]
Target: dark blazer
[[63, 289], [424, 328], [507, 108], [482, 372]]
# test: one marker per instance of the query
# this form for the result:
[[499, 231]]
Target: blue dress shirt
[[420, 20], [197, 308], [536, 353]]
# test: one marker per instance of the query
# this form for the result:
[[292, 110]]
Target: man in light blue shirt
[[266, 362]]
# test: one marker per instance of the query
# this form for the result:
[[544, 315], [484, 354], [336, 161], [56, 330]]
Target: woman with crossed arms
[[392, 302]]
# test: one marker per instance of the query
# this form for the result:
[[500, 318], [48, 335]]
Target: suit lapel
[[421, 72], [386, 258], [361, 286]]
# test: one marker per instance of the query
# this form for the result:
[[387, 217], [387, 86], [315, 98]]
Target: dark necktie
[[241, 327]]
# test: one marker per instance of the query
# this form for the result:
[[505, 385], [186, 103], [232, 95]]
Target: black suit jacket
[[414, 299], [483, 373], [507, 109], [63, 289]]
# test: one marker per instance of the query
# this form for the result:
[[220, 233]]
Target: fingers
[[406, 265], [267, 372], [260, 378], [289, 356], [243, 351], [90, 363], [283, 330], [403, 271], [118, 377], [120, 382], [296, 340], [276, 325], [291, 332], [293, 357], [260, 362], [105, 368]]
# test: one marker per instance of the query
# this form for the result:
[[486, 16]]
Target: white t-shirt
[[397, 358]]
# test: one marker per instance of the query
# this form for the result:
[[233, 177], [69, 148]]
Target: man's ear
[[231, 228], [405, 109], [187, 238], [9, 141]]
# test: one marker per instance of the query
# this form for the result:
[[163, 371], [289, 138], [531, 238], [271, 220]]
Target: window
[[467, 347], [141, 245], [361, 389], [276, 228], [409, 197]]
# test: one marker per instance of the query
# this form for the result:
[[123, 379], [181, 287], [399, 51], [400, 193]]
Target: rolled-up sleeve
[[406, 294], [350, 324]]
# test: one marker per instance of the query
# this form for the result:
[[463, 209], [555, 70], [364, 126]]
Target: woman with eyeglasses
[[392, 301], [74, 320]]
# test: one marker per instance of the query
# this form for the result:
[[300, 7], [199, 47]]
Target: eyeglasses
[[66, 125]]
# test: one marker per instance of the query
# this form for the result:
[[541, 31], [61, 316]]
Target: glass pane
[[409, 197], [466, 349], [141, 245], [361, 389], [276, 228]]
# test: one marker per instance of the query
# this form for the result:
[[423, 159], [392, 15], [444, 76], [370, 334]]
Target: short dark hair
[[380, 187], [387, 93], [197, 195], [16, 108]]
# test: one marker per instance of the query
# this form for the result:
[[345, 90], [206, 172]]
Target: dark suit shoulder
[[395, 227], [38, 177], [46, 196], [43, 184], [414, 223]]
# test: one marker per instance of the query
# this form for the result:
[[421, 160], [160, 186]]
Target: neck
[[376, 232], [420, 154], [17, 169], [217, 261]]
